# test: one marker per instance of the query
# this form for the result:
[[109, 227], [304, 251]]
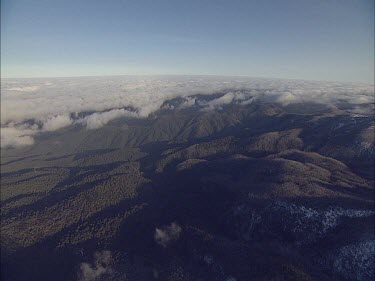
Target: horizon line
[[181, 75]]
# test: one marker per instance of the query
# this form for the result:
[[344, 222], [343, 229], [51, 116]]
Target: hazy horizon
[[186, 75]]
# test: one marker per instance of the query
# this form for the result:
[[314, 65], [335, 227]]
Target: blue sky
[[312, 39]]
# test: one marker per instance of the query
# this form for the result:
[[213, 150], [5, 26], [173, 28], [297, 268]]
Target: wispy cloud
[[167, 234], [100, 266]]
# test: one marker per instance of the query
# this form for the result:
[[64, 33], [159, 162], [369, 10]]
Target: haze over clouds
[[33, 106]]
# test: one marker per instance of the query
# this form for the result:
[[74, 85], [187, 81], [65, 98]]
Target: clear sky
[[302, 39]]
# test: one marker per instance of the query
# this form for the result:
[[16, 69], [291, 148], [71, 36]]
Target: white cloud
[[16, 137], [97, 120], [228, 98], [50, 103], [25, 89], [57, 122], [101, 265], [286, 98], [188, 102], [167, 234]]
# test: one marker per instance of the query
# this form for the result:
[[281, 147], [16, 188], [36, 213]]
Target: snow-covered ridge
[[323, 220], [356, 261], [298, 222]]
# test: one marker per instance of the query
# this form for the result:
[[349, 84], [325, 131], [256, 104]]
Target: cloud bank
[[34, 106]]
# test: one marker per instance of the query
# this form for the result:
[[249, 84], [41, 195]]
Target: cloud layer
[[33, 106]]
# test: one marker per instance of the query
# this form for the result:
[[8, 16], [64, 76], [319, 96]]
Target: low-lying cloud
[[57, 122], [228, 98], [167, 234], [97, 120], [100, 266], [18, 137], [33, 106], [24, 89]]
